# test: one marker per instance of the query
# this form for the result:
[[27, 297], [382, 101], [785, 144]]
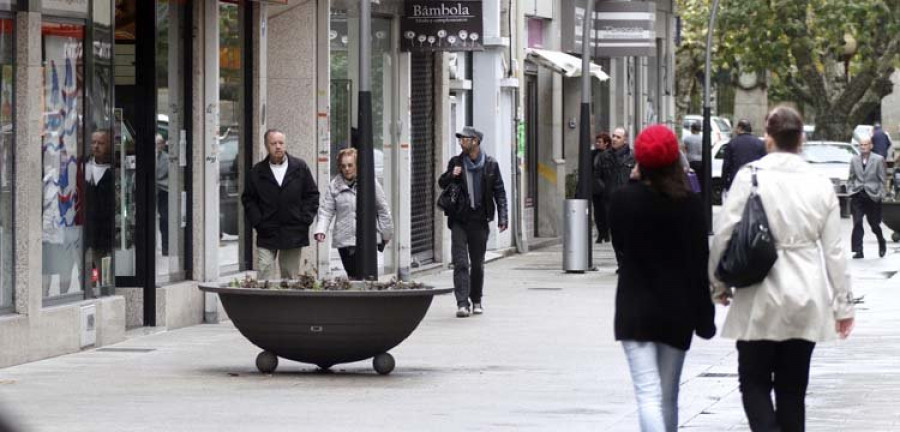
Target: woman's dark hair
[[785, 126], [604, 136], [669, 180]]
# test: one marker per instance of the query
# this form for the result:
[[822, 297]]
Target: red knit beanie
[[656, 147]]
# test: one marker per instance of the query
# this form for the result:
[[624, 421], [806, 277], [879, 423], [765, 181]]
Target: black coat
[[491, 187], [616, 166], [282, 214], [881, 143], [741, 150], [599, 187], [100, 202], [663, 291]]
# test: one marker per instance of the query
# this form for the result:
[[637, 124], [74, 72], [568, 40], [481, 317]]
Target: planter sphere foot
[[895, 237], [266, 362], [383, 363]]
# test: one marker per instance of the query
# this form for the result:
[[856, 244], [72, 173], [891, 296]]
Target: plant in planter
[[310, 283], [325, 321]]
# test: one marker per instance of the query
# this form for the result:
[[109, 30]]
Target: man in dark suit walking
[[742, 149], [866, 188]]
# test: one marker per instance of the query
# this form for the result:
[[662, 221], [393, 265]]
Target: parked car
[[832, 159], [721, 129]]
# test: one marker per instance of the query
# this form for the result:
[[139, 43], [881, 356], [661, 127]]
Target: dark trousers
[[348, 258], [162, 207], [468, 243], [600, 216], [862, 205], [784, 366]]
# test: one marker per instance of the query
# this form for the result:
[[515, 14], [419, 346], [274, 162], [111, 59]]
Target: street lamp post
[[707, 126], [366, 259], [583, 191]]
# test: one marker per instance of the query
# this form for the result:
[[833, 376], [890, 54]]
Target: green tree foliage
[[801, 45]]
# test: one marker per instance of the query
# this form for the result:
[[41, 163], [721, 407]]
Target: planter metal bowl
[[325, 327], [890, 215]]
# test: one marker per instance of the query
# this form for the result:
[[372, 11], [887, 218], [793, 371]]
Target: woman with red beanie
[[659, 228]]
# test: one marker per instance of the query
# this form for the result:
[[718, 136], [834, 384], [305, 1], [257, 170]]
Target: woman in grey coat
[[340, 205]]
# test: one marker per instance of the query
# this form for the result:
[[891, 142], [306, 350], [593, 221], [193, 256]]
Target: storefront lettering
[[443, 10]]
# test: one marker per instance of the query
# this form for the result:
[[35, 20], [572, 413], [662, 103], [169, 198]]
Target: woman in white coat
[[339, 204], [804, 299]]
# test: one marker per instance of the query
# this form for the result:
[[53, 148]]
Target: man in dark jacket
[[281, 200], [598, 190], [479, 175], [742, 149], [100, 198], [881, 142], [617, 163]]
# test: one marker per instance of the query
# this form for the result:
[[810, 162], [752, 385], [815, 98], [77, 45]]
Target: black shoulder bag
[[751, 251], [453, 199]]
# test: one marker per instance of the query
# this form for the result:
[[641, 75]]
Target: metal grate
[[423, 152]]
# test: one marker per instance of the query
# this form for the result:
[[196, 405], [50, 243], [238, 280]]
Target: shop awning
[[567, 65]]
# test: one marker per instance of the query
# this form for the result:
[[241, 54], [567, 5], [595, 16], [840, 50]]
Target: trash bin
[[576, 235]]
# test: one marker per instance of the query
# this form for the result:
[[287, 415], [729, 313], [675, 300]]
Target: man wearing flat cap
[[479, 176]]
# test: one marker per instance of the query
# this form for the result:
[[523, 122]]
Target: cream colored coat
[[808, 288]]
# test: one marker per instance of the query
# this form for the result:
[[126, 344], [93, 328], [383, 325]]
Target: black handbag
[[453, 199], [751, 251]]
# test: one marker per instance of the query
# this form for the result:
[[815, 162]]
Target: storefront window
[[7, 142], [231, 119], [171, 156], [62, 145], [100, 167], [344, 51]]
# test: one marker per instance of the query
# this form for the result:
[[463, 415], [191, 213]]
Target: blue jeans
[[656, 372]]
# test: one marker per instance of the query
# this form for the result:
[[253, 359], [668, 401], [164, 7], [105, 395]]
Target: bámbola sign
[[442, 10], [437, 25]]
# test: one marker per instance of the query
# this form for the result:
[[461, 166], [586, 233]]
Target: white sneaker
[[477, 309], [462, 312]]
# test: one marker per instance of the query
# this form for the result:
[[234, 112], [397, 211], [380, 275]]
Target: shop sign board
[[441, 25], [619, 29]]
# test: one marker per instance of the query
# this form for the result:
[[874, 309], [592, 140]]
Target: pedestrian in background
[[806, 296], [281, 199], [866, 188], [617, 165], [662, 297], [598, 191], [162, 191], [340, 205], [693, 149], [881, 142], [480, 177], [741, 150]]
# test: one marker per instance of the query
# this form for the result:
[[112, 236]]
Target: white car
[[829, 158], [721, 130]]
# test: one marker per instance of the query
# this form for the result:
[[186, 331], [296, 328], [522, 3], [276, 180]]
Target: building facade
[[128, 127]]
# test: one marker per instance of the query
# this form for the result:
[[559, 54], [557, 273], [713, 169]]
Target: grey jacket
[[869, 179], [339, 204]]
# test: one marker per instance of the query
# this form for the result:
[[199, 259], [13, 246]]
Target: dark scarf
[[474, 173]]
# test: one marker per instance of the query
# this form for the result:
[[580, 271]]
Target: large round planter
[[890, 214], [325, 327]]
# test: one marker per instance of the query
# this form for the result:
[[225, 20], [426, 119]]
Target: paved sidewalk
[[541, 358]]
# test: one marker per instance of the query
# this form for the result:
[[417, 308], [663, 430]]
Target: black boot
[[882, 247]]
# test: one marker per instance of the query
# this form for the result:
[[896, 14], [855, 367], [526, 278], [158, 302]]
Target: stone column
[[28, 194]]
